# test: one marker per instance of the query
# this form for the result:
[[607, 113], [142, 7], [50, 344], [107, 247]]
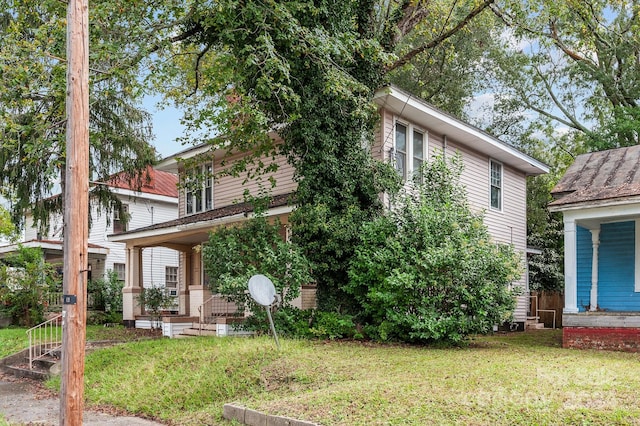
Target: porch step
[[198, 332], [18, 365], [533, 323]]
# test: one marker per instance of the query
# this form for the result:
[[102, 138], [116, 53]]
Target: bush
[[153, 300], [106, 293], [25, 280], [428, 271], [234, 254]]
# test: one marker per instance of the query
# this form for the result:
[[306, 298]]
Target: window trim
[[500, 208], [124, 271], [202, 197], [117, 221], [411, 129]]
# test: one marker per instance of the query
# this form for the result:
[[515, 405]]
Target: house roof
[[612, 175], [152, 182], [406, 105], [50, 245]]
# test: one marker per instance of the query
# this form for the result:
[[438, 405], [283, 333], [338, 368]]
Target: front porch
[[602, 330]]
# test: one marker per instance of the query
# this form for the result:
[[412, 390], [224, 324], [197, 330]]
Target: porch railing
[[217, 306], [44, 339]]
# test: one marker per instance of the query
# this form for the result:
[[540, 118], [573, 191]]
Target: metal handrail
[[537, 316], [44, 339], [222, 312]]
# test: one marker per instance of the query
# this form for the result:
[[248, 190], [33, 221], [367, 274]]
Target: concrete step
[[198, 332], [203, 326], [535, 326]]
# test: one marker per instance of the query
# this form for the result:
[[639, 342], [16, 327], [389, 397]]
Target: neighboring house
[[599, 197], [156, 201], [412, 130]]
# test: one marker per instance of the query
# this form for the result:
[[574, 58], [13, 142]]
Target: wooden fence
[[551, 301]]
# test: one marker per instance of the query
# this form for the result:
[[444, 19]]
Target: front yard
[[520, 378]]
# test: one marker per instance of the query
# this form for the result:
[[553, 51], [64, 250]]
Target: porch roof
[[188, 229], [611, 177], [56, 245]]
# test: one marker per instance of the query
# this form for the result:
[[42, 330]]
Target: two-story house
[[411, 131], [154, 202]]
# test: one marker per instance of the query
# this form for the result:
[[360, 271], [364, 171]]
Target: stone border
[[250, 417]]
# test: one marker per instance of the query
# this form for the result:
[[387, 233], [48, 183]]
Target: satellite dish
[[262, 290]]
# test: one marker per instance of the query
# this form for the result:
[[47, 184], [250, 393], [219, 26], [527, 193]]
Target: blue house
[[599, 197]]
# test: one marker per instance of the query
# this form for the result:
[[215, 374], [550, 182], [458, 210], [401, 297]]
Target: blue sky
[[166, 127]]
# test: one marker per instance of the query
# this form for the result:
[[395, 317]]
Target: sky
[[166, 127]]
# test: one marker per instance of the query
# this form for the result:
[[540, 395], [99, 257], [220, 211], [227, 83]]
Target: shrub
[[25, 279], [428, 271], [232, 255], [106, 293], [153, 300]]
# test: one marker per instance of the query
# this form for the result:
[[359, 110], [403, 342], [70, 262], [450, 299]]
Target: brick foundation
[[607, 338]]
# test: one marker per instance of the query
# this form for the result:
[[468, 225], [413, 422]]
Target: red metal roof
[[150, 181]]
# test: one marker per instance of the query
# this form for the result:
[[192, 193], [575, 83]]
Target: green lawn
[[521, 378]]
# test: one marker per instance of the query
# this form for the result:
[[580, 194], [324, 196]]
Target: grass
[[521, 378], [14, 339], [518, 378]]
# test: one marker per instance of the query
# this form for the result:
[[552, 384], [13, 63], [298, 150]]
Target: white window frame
[[118, 268], [491, 185], [124, 226], [409, 155], [170, 272], [201, 198]]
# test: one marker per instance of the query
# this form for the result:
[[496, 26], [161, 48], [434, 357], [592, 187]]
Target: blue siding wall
[[616, 268], [584, 255], [616, 258]]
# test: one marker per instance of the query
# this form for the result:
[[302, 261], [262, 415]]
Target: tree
[[7, 230], [32, 101], [428, 271], [574, 64], [309, 70]]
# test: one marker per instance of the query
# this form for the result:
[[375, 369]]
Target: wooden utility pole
[[76, 215]]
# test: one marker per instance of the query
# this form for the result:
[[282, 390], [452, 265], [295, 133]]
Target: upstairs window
[[410, 150], [495, 176], [119, 220], [199, 198]]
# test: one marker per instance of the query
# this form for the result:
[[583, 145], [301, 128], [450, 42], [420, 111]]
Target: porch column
[[133, 286], [570, 267], [595, 242], [185, 284]]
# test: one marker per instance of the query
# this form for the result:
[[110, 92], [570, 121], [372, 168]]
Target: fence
[[548, 300]]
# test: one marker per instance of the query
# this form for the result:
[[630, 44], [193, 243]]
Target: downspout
[[444, 146]]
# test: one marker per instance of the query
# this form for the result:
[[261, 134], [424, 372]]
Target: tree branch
[[436, 41]]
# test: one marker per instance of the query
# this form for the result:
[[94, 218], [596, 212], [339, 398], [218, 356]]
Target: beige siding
[[507, 226], [228, 190]]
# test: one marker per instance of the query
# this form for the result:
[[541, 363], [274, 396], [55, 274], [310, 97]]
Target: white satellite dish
[[263, 292]]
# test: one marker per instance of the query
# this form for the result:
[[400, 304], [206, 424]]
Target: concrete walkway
[[21, 403]]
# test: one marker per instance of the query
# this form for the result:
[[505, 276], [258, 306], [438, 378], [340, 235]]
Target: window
[[171, 280], [199, 199], [496, 184], [120, 269], [401, 150], [120, 221], [411, 143]]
